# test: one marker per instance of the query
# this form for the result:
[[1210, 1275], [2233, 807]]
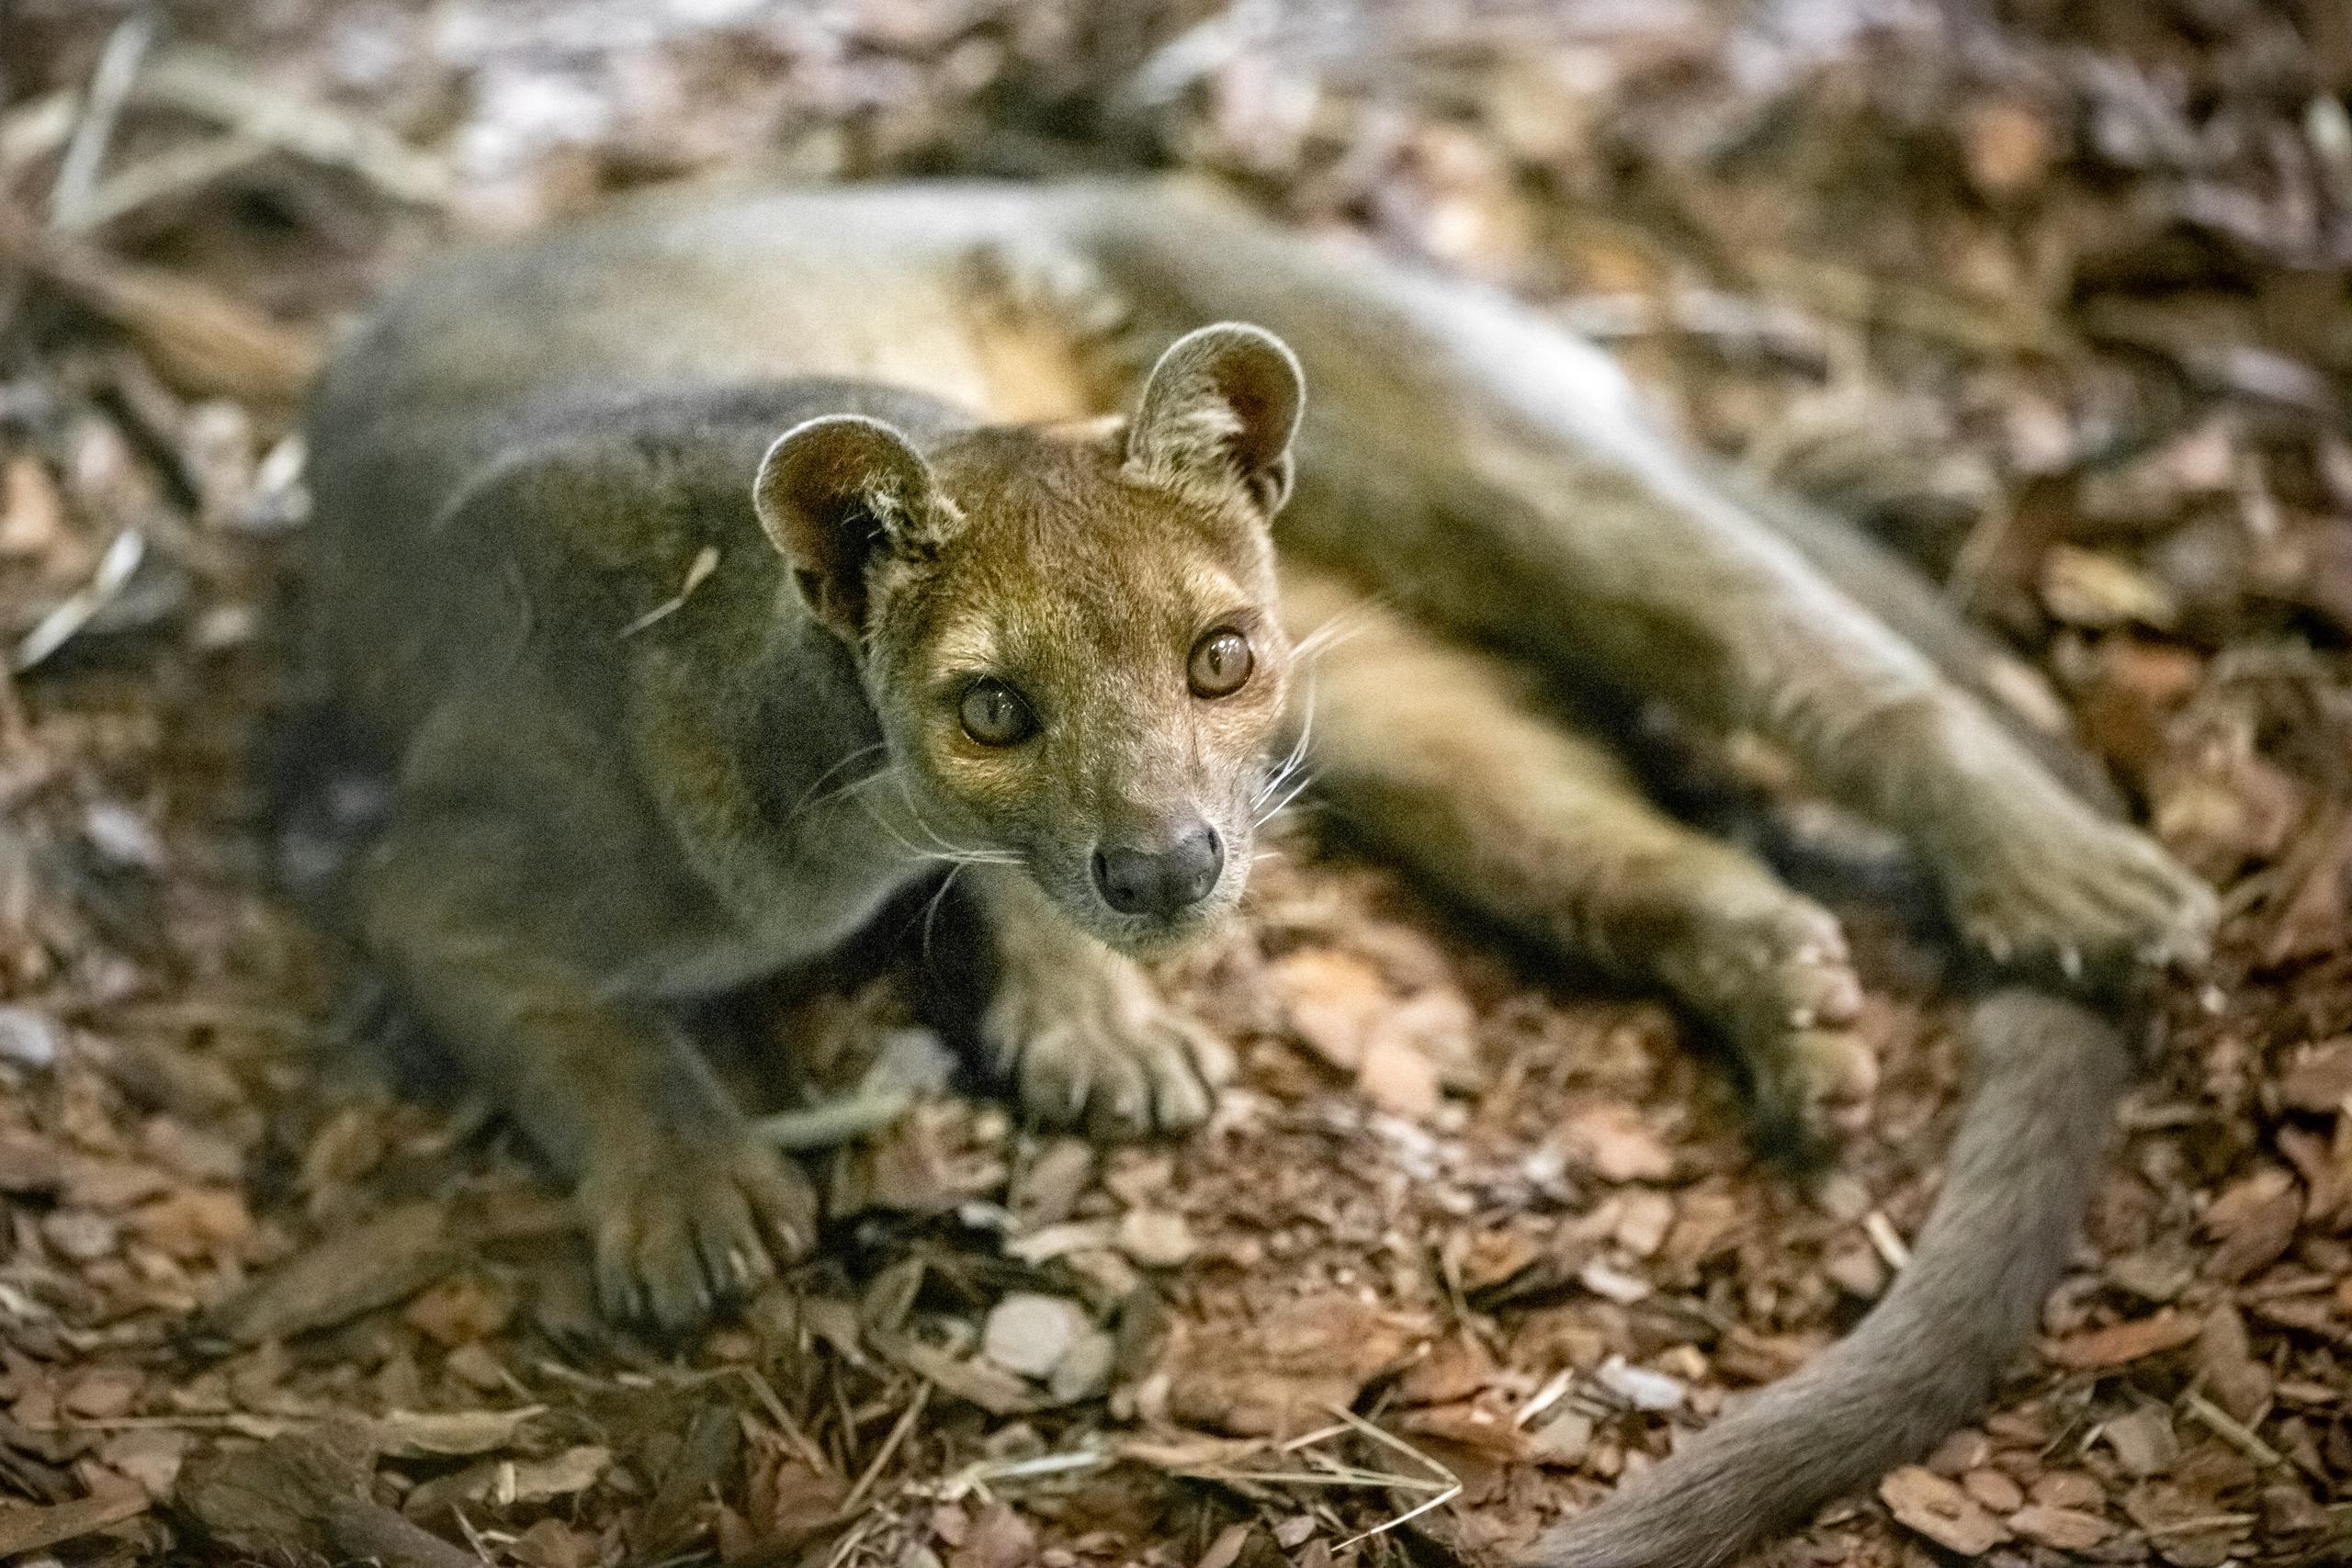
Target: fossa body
[[721, 565]]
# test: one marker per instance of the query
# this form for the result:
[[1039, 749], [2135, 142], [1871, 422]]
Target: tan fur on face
[[1085, 588]]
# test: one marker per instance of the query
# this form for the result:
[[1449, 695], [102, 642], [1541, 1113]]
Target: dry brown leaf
[[1226, 1549], [369, 1266], [2239, 1383], [2144, 1440], [2009, 144], [1614, 1142], [998, 1539], [1286, 1370], [2255, 1219], [449, 1434], [1331, 1000], [2318, 1078]]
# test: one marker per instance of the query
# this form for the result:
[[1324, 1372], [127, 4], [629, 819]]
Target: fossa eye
[[1221, 664], [994, 715]]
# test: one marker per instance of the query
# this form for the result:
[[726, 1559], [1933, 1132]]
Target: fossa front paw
[[1091, 1044], [683, 1227]]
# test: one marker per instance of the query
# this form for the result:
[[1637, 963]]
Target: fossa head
[[1069, 633]]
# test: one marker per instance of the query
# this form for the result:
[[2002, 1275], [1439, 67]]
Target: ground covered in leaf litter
[[2054, 296]]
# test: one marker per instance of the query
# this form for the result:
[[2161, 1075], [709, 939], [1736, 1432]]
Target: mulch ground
[[2054, 296]]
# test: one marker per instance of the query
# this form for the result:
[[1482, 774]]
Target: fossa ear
[[838, 495], [1221, 407]]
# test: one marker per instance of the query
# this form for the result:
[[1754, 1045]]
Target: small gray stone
[[1565, 1437], [122, 836], [79, 1234], [29, 1038], [1157, 1238], [1085, 1373], [1032, 1334], [1640, 1387]]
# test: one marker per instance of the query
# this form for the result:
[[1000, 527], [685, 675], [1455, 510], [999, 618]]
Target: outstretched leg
[[1493, 474], [1433, 751], [685, 1208]]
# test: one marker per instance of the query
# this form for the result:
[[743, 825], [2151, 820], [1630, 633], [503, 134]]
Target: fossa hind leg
[[1432, 750]]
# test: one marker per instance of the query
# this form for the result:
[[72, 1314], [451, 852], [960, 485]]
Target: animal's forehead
[[1061, 553], [1008, 483], [1094, 607]]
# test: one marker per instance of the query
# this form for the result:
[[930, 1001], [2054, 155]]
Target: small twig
[[61, 625], [166, 174], [899, 1430], [36, 130], [1447, 1494], [1887, 1240], [214, 87], [1543, 1398], [2231, 1430], [243, 1424], [29, 1530], [110, 85], [837, 1122], [706, 561], [1390, 1439], [1968, 323], [2201, 1522], [1308, 1439], [1339, 1475], [473, 1535], [977, 1475], [15, 725]]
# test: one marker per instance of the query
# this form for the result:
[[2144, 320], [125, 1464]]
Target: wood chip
[[297, 1496], [374, 1265], [2120, 1344], [2254, 1219], [1995, 1489], [28, 1529], [2065, 1530], [1157, 1238], [1286, 1370], [449, 1434], [29, 1037], [2319, 1077], [2144, 1442], [1331, 1000], [1640, 1387], [2239, 1383], [1615, 1144], [2186, 1530], [1398, 1078], [1564, 1440], [1927, 1505]]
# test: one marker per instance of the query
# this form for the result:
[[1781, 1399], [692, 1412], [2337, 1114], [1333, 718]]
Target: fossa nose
[[1161, 875]]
